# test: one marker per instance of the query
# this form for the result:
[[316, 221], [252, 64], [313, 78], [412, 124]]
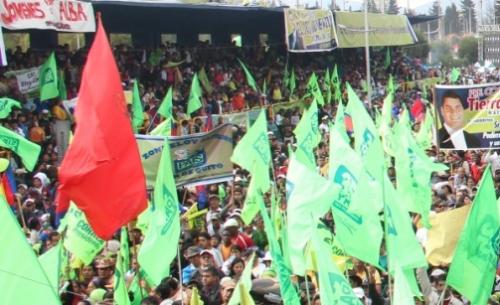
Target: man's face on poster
[[453, 113]]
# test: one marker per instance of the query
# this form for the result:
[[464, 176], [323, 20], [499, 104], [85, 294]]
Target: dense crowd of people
[[215, 244]]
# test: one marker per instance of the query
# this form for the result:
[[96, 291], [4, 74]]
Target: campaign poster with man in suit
[[469, 116]]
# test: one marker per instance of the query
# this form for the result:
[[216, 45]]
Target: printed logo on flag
[[261, 145], [10, 142], [413, 159], [3, 104], [170, 210], [368, 139], [391, 228], [487, 242], [306, 146], [48, 77], [495, 242], [342, 290], [348, 184]]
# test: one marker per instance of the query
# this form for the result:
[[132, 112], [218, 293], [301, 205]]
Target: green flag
[[162, 238], [385, 129], [163, 129], [61, 86], [472, 270], [367, 141], [48, 79], [340, 122], [253, 152], [27, 150], [313, 90], [238, 41], [391, 87], [51, 264], [424, 134], [405, 285], [387, 61], [403, 249], [120, 292], [336, 84], [455, 75], [250, 80], [194, 100], [355, 208], [80, 239], [286, 76], [424, 90], [135, 289], [205, 82], [22, 279], [414, 170], [244, 283], [308, 136], [124, 249], [333, 286], [137, 111], [305, 201], [250, 207], [293, 82], [166, 105], [288, 293], [328, 86], [6, 105]]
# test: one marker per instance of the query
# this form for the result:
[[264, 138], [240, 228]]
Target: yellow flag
[[443, 235], [195, 298]]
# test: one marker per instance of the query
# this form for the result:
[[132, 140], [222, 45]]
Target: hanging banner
[[309, 30], [60, 15], [384, 30], [469, 116], [27, 79], [197, 159]]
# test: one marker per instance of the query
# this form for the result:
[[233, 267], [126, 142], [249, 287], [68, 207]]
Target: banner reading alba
[[193, 152]]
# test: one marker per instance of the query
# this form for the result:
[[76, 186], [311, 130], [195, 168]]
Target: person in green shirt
[[259, 235]]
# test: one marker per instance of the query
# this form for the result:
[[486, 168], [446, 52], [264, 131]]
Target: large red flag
[[101, 171]]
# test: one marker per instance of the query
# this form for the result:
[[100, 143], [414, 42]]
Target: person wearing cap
[[215, 226], [105, 271], [237, 238], [204, 242], [192, 254], [227, 286]]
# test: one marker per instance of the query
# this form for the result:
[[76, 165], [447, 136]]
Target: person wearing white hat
[[240, 239]]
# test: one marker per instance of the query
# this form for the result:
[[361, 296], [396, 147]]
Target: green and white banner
[[383, 30]]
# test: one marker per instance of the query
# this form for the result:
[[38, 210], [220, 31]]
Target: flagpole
[[134, 254], [179, 266], [307, 290], [367, 58]]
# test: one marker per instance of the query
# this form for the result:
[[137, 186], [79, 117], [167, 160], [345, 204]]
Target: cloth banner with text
[[310, 30], [197, 159], [64, 16]]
